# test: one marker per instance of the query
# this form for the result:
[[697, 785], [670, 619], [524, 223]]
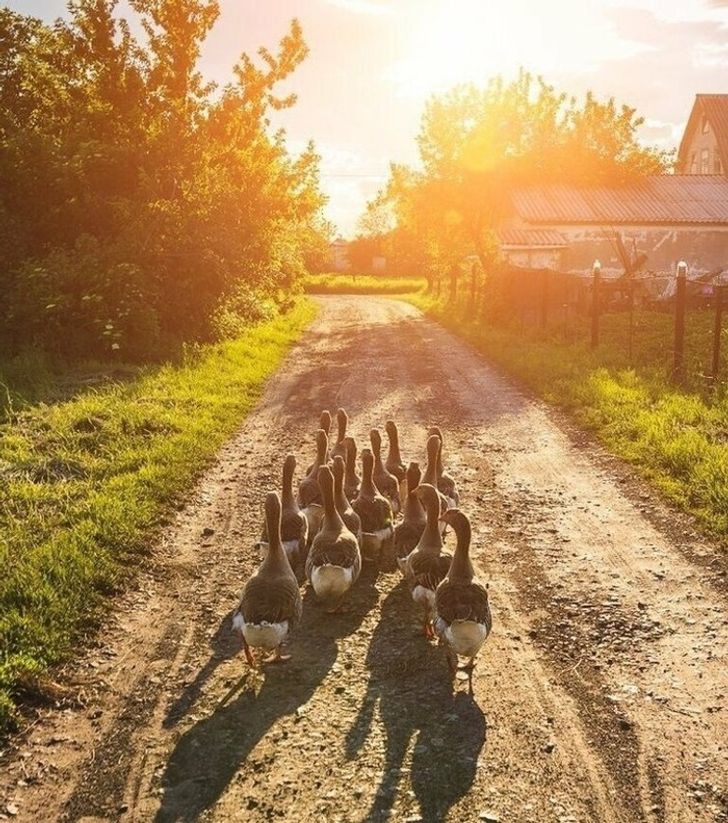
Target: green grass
[[86, 482], [362, 284], [678, 438]]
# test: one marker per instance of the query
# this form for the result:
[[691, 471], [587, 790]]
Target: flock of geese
[[339, 520]]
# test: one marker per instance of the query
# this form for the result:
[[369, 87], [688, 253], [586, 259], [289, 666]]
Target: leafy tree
[[136, 199], [476, 144]]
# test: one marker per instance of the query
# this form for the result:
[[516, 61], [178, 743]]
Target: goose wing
[[429, 570], [462, 601], [272, 600]]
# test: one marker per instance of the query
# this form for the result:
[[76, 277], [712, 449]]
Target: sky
[[373, 64]]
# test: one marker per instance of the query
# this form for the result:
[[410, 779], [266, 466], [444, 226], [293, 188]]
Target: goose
[[351, 478], [309, 493], [343, 506], [387, 483], [462, 612], [394, 464], [334, 560], [426, 565], [445, 482], [270, 605], [342, 421], [374, 510], [294, 526], [324, 425], [434, 444], [407, 533]]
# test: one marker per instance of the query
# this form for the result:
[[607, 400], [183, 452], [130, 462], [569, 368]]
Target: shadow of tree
[[208, 755], [410, 684]]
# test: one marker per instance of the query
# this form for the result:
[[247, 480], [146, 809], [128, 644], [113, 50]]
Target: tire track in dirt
[[596, 698]]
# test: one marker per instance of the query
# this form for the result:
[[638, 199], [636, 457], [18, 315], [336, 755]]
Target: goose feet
[[468, 668], [428, 630], [248, 653], [277, 657]]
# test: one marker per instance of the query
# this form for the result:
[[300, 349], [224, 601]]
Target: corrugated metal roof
[[715, 108], [660, 199], [531, 238]]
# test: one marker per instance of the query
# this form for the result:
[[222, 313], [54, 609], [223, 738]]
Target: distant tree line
[[476, 144], [139, 205]]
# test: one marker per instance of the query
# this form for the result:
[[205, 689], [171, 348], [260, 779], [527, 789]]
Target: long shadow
[[225, 645], [209, 754], [410, 683]]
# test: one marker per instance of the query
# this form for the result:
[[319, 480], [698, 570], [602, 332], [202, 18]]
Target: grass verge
[[677, 438], [86, 481], [362, 284]]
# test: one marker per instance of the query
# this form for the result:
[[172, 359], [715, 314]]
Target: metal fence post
[[596, 281], [678, 367]]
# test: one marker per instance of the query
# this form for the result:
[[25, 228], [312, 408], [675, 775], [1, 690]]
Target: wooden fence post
[[717, 331], [544, 297], [678, 366], [596, 308], [631, 321]]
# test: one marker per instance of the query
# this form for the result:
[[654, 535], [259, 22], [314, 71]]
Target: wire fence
[[676, 320]]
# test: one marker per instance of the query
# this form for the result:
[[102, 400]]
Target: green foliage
[[84, 482], [677, 438], [135, 198]]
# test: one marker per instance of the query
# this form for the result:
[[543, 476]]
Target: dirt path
[[602, 694]]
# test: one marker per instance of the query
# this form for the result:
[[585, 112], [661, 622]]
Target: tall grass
[[362, 284], [678, 437], [84, 483]]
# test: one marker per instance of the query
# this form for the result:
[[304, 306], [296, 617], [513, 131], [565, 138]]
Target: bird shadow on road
[[208, 755], [225, 645], [410, 683]]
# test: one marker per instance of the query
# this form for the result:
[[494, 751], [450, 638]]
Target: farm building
[[664, 219], [651, 223]]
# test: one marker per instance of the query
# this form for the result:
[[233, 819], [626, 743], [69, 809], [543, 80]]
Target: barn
[[651, 223]]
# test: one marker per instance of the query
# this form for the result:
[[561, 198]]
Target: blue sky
[[373, 64]]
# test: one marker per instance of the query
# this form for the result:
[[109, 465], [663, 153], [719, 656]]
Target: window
[[694, 164], [705, 161], [717, 165]]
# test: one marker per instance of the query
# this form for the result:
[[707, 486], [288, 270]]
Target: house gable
[[704, 146]]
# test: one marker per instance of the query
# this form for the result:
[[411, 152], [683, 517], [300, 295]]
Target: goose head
[[338, 471], [376, 440], [289, 467], [461, 568], [434, 444], [322, 446], [342, 421], [367, 466], [414, 476], [325, 421]]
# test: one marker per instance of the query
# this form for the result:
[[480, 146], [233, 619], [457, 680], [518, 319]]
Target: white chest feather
[[465, 637], [331, 581], [262, 635]]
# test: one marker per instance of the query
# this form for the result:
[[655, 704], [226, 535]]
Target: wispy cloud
[[361, 6]]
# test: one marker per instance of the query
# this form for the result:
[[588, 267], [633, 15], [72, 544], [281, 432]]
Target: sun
[[472, 40]]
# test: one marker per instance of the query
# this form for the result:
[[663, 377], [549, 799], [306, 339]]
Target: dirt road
[[602, 694]]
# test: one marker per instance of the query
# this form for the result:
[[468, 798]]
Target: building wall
[[703, 249], [702, 156], [534, 258]]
